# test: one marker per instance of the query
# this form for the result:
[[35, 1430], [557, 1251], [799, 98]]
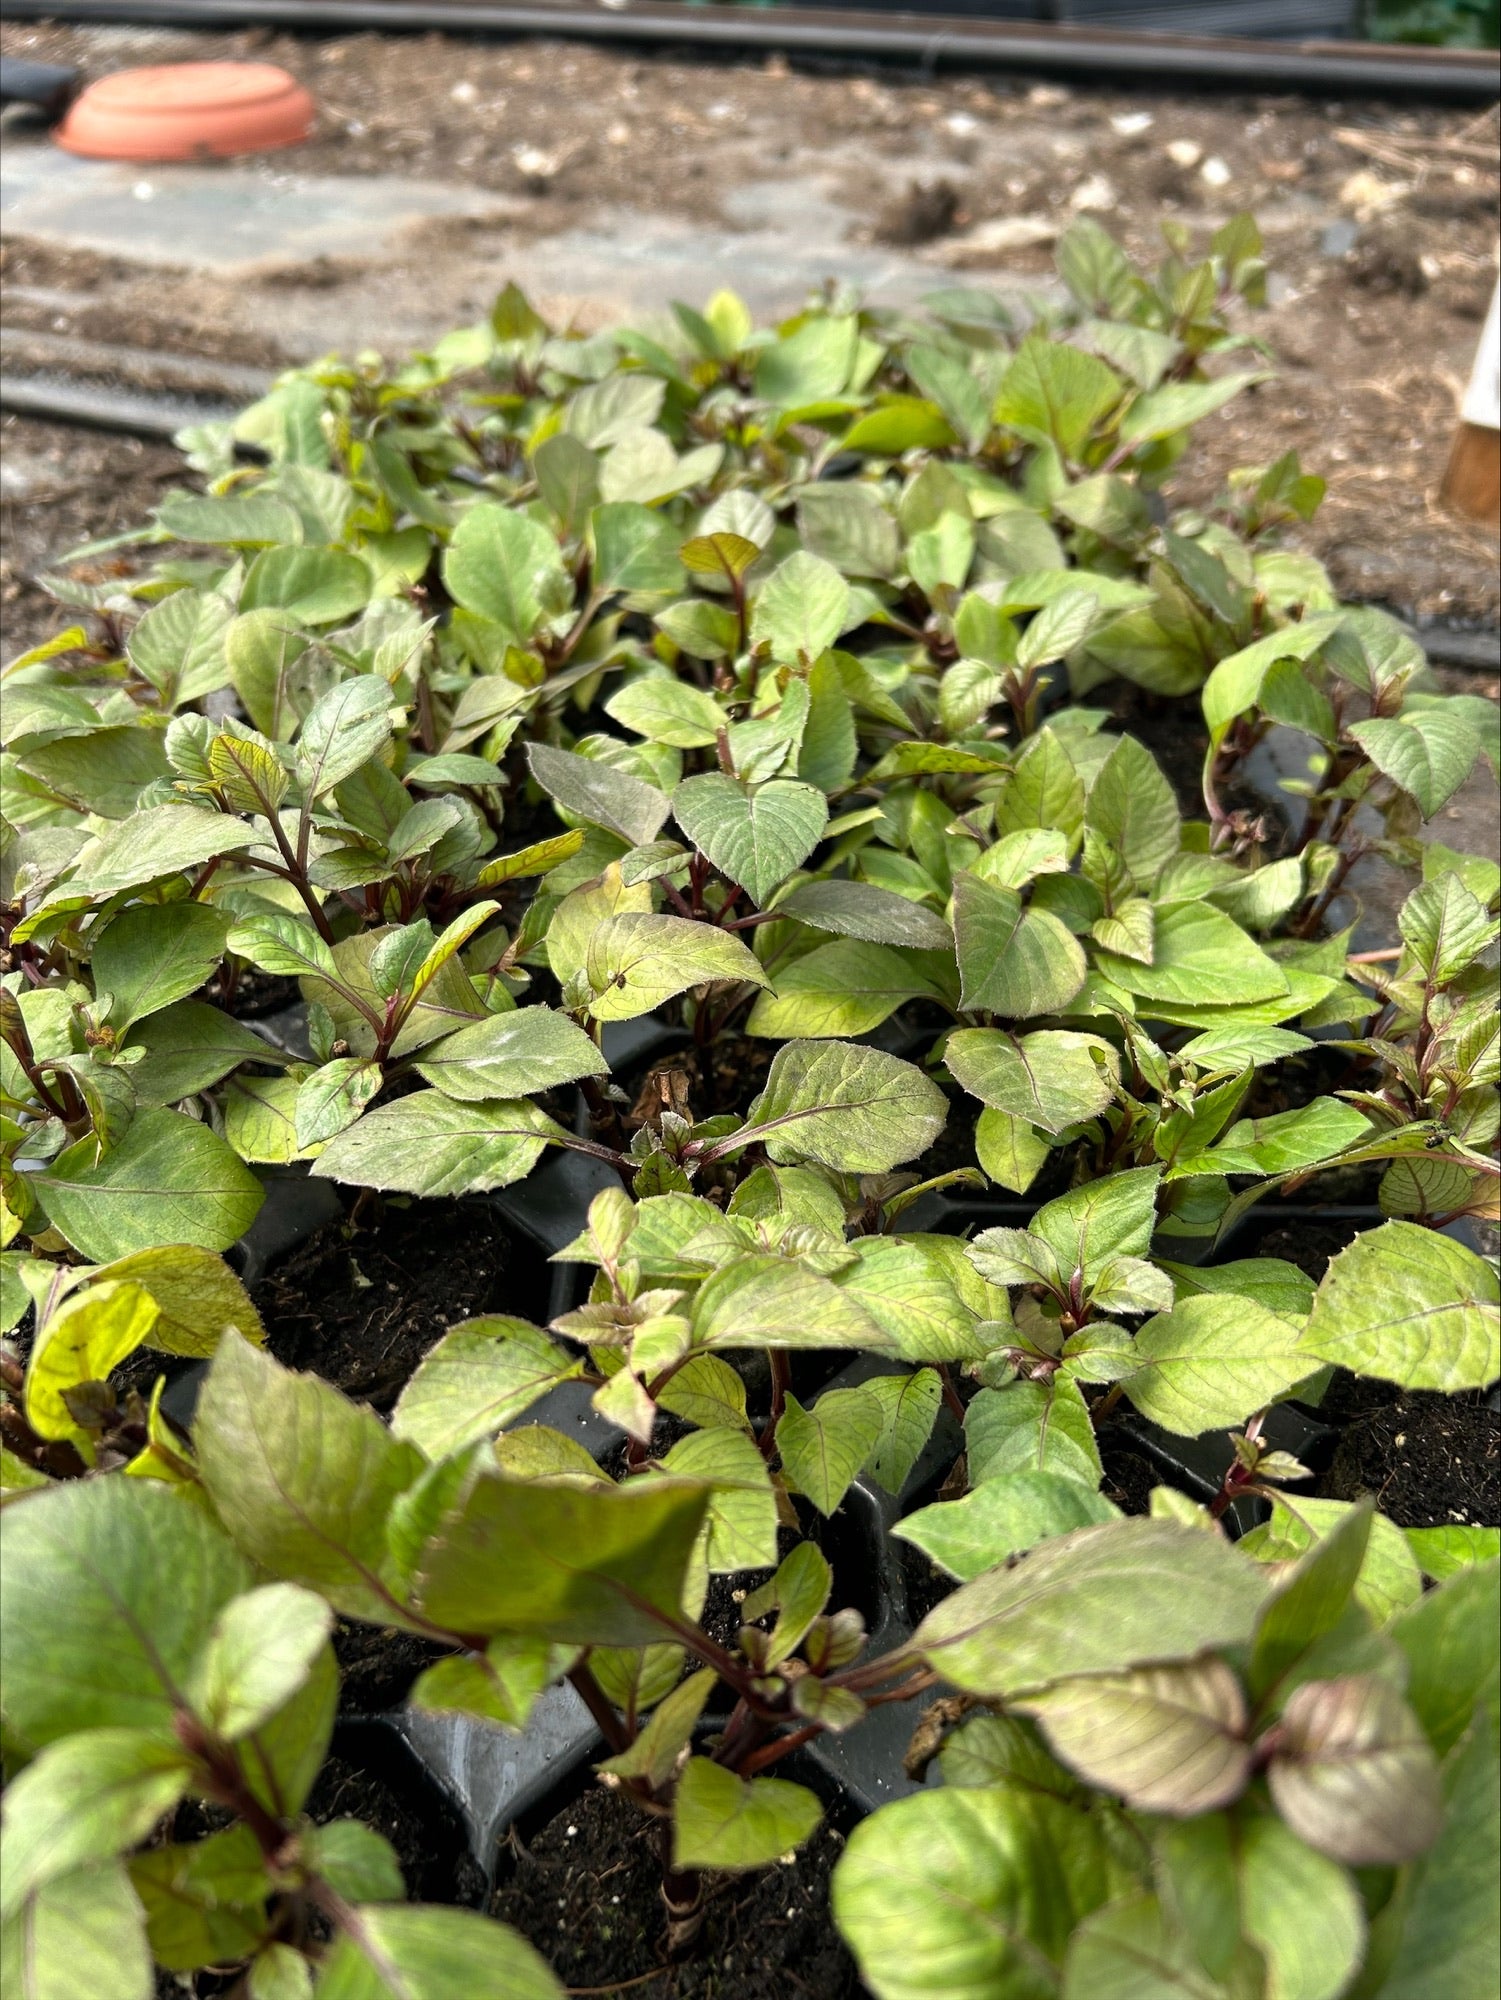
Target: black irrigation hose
[[127, 412], [1320, 68]]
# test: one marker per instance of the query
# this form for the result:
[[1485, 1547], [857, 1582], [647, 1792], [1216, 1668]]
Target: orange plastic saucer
[[188, 111]]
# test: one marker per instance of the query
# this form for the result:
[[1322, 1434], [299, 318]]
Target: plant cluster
[[740, 679]]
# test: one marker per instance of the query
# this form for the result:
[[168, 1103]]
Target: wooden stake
[[1472, 484]]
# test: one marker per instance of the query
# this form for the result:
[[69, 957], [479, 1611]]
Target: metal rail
[[1102, 55]]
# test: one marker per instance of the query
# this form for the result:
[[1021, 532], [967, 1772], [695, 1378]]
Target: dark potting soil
[[377, 1667], [378, 1782], [586, 1892], [251, 994], [360, 1302], [1430, 1461], [1175, 732]]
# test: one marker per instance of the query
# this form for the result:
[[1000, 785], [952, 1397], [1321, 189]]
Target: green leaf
[[840, 989], [153, 954], [1013, 961], [1279, 1286], [822, 1448], [1445, 928], [84, 1799], [599, 792], [1113, 1217], [405, 1951], [315, 586], [591, 1566], [1452, 1639], [87, 1336], [800, 609], [857, 1110], [1101, 1600], [1309, 1602], [196, 1292], [899, 424], [342, 730], [204, 1899], [429, 1144], [1428, 754], [1389, 1578], [1353, 1774], [501, 1684], [1055, 394], [844, 523], [808, 365], [740, 1529], [1236, 682], [161, 840], [1283, 1143], [77, 1939], [511, 1055], [859, 910], [259, 1653], [668, 711], [1032, 1426], [1443, 1553], [720, 1822], [1004, 1516], [913, 1290], [949, 382], [1131, 804], [355, 1861], [169, 1180], [1197, 951], [971, 1894], [770, 1301], [634, 549], [282, 944], [1212, 1361], [1052, 1079], [506, 567], [755, 835], [1252, 1878], [1164, 1739], [477, 1380], [1178, 406], [127, 1557], [656, 1750], [1408, 1305], [305, 1478], [1129, 1951], [636, 961], [1450, 1936], [1011, 1151], [909, 1407]]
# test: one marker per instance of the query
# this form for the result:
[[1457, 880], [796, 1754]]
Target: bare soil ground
[[1381, 226]]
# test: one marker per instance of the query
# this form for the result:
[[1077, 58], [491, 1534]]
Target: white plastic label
[[1482, 403]]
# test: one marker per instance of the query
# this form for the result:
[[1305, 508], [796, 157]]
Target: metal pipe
[[1359, 69]]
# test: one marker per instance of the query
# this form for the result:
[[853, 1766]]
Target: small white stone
[[144, 191], [1129, 123], [961, 124], [1185, 152], [464, 93], [572, 1831], [618, 134], [1216, 172], [1093, 195]]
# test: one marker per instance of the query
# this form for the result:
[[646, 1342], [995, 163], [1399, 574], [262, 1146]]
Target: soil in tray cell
[[586, 1891], [390, 1794], [1430, 1461], [361, 1302]]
